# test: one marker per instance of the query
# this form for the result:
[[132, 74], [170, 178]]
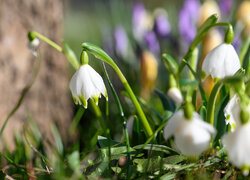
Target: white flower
[[237, 144], [87, 83], [33, 45], [232, 112], [192, 137], [222, 61], [175, 95]]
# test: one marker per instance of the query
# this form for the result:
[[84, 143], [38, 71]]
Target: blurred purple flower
[[188, 17], [107, 41], [121, 41], [225, 6], [139, 21], [237, 42], [152, 42], [162, 25]]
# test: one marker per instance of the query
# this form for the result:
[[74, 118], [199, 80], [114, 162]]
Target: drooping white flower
[[237, 144], [222, 61], [87, 83], [192, 137], [175, 95], [33, 45]]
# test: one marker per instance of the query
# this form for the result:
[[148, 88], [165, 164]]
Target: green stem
[[197, 40], [212, 101], [123, 119], [100, 54], [45, 39]]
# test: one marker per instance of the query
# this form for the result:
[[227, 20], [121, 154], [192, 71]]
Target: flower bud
[[175, 94], [149, 71]]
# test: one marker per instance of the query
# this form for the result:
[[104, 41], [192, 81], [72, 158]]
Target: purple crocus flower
[[162, 25], [139, 21], [152, 42], [188, 17], [225, 6], [121, 41]]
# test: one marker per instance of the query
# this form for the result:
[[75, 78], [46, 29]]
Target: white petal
[[204, 125], [87, 83], [97, 81], [175, 95], [222, 61], [191, 139], [237, 144], [232, 110], [172, 123]]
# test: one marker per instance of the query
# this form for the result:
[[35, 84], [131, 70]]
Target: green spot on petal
[[83, 101], [95, 98], [106, 95]]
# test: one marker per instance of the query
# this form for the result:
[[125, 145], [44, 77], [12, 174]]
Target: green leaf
[[70, 55], [168, 176], [219, 120], [203, 112], [155, 163], [170, 63], [117, 149], [188, 84], [58, 140], [246, 60], [156, 147], [105, 142], [174, 159], [244, 49], [168, 103], [211, 161], [74, 161], [97, 52], [76, 120]]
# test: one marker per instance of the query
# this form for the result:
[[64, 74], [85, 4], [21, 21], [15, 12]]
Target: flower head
[[162, 25], [188, 17], [152, 42], [192, 136], [87, 83], [222, 61], [140, 21], [237, 144]]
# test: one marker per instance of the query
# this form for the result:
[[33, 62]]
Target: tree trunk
[[49, 99]]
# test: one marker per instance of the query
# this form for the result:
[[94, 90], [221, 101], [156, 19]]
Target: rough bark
[[49, 99]]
